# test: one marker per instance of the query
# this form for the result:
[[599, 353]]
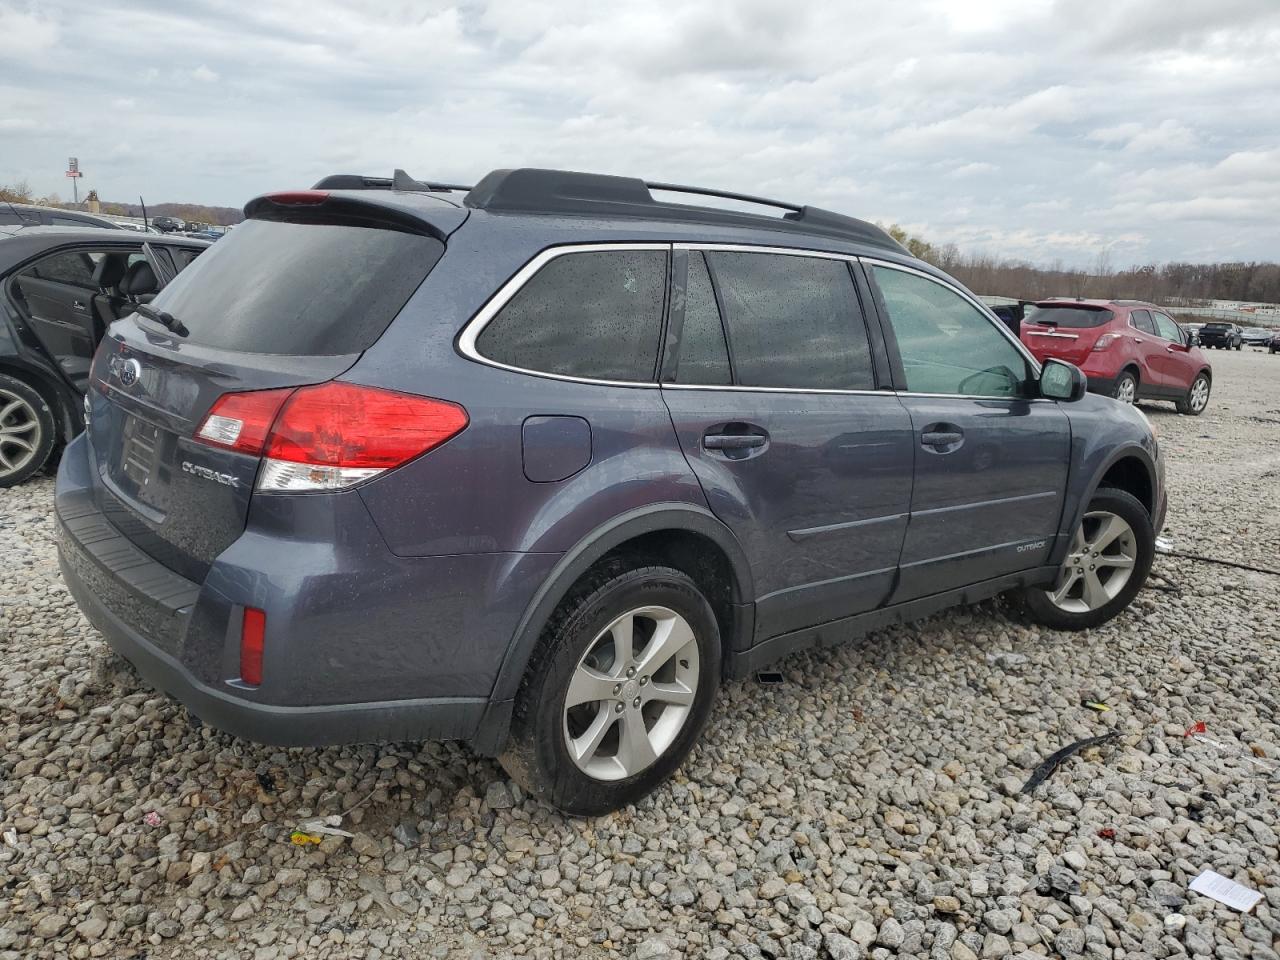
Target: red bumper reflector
[[252, 633]]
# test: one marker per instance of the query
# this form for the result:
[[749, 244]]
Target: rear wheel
[[27, 431], [617, 692], [1240, 345], [1197, 397], [1126, 389], [1107, 564]]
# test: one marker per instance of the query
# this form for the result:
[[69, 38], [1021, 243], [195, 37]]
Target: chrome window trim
[[778, 251], [466, 341]]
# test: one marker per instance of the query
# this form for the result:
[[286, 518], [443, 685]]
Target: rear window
[[307, 289], [1073, 317]]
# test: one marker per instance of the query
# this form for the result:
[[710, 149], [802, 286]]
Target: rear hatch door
[[1064, 331], [279, 303]]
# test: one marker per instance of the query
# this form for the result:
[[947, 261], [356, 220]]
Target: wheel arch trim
[[587, 551]]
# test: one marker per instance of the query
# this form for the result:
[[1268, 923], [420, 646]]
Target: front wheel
[[1240, 346], [1107, 564], [1197, 398], [617, 692]]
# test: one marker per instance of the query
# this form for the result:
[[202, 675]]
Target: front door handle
[[77, 305], [733, 441]]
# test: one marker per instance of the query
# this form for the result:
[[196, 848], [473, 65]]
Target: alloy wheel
[[1199, 394], [1103, 553], [19, 433], [631, 693], [1128, 390]]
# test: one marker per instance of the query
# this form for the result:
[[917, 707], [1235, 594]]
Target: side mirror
[[1193, 340], [1060, 380]]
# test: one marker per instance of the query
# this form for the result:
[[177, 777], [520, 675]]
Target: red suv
[[1128, 349]]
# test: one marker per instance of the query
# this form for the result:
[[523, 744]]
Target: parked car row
[[539, 465], [1128, 349]]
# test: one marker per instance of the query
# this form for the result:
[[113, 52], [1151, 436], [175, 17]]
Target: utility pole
[[73, 171]]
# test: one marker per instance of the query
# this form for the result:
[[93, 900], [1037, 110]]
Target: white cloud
[[1027, 128]]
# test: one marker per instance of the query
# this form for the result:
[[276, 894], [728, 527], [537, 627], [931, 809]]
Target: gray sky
[[1026, 128]]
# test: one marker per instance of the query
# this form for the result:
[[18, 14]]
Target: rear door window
[[946, 344], [793, 321], [703, 356], [299, 288], [72, 266], [1141, 319], [595, 315]]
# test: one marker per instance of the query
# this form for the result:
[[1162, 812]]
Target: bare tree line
[[1174, 284]]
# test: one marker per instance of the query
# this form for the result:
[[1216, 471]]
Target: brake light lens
[[253, 632], [330, 436], [1105, 341], [242, 421], [295, 198]]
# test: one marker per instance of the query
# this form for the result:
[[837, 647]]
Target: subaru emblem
[[127, 371]]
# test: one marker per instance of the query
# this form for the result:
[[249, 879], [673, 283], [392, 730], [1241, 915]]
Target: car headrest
[[110, 269], [140, 280]]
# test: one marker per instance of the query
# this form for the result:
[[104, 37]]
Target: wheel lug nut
[[636, 702], [617, 689], [619, 707], [631, 672], [644, 680]]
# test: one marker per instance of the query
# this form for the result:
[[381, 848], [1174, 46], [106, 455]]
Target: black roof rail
[[398, 181], [565, 192]]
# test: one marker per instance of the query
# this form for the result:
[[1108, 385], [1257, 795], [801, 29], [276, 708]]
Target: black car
[[60, 288], [1226, 336], [1274, 345], [168, 224], [18, 216]]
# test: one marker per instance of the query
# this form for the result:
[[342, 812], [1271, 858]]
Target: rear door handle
[[1138, 340], [733, 441], [77, 305], [940, 438]]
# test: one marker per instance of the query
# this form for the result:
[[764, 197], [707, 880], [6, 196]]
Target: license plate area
[[140, 442]]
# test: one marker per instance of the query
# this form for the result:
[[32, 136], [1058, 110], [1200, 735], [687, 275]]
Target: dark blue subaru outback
[[539, 463]]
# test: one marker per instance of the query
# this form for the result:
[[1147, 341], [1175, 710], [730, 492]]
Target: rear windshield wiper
[[165, 319]]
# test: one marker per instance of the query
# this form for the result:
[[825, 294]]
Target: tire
[[1240, 346], [579, 644], [1194, 404], [1136, 544], [1126, 388], [28, 431]]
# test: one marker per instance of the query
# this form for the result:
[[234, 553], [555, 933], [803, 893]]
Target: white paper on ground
[[1225, 890]]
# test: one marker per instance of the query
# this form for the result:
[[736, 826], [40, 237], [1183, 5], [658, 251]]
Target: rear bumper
[[360, 647], [1104, 386], [435, 719]]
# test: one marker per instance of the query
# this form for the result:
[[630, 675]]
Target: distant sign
[[73, 167]]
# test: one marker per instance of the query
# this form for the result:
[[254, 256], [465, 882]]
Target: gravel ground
[[869, 805]]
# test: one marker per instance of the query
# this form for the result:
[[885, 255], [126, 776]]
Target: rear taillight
[[241, 421], [295, 198], [253, 632], [1105, 341], [330, 436]]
